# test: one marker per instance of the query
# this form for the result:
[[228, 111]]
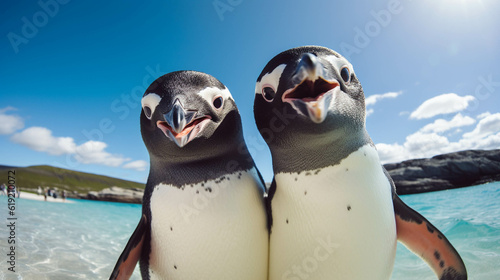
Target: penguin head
[[188, 113], [308, 90]]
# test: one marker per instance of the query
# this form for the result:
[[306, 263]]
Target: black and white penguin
[[335, 212], [203, 207]]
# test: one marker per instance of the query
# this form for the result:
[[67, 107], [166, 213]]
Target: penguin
[[203, 212], [334, 208]]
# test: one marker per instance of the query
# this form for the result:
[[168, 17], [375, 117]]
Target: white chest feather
[[334, 223], [211, 230]]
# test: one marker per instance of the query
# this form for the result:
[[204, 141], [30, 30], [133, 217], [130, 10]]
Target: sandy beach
[[32, 196]]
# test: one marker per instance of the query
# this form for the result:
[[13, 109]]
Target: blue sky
[[72, 72]]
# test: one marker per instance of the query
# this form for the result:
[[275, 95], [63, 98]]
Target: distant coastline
[[79, 185], [442, 172]]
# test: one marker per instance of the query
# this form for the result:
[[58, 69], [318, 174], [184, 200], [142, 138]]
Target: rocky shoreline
[[116, 194], [442, 172], [447, 171]]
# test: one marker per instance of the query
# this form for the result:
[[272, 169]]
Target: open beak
[[313, 93], [180, 125]]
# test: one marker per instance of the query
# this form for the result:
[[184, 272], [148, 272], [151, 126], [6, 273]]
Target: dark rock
[[447, 171], [93, 195], [117, 194]]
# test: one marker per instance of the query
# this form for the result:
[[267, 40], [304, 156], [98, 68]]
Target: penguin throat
[[309, 90], [312, 152]]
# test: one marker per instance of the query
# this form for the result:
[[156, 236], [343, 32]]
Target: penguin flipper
[[427, 242], [130, 256]]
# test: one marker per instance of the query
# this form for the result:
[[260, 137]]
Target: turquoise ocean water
[[83, 240]]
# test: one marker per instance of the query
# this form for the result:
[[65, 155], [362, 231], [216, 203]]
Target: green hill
[[29, 178]]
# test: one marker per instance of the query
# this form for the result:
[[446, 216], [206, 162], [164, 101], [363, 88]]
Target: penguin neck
[[195, 170], [328, 150]]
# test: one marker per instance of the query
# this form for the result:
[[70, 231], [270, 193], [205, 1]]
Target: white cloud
[[369, 112], [457, 131], [483, 115], [486, 127], [417, 145], [139, 165], [488, 143], [442, 125], [9, 123], [442, 104], [427, 142], [391, 152], [372, 99], [92, 152], [6, 109], [40, 139], [420, 145]]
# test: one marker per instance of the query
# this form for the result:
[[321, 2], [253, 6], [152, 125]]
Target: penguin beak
[[313, 92], [181, 125]]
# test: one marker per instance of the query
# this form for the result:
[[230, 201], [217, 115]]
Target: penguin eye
[[344, 73], [147, 112], [268, 93], [217, 102]]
